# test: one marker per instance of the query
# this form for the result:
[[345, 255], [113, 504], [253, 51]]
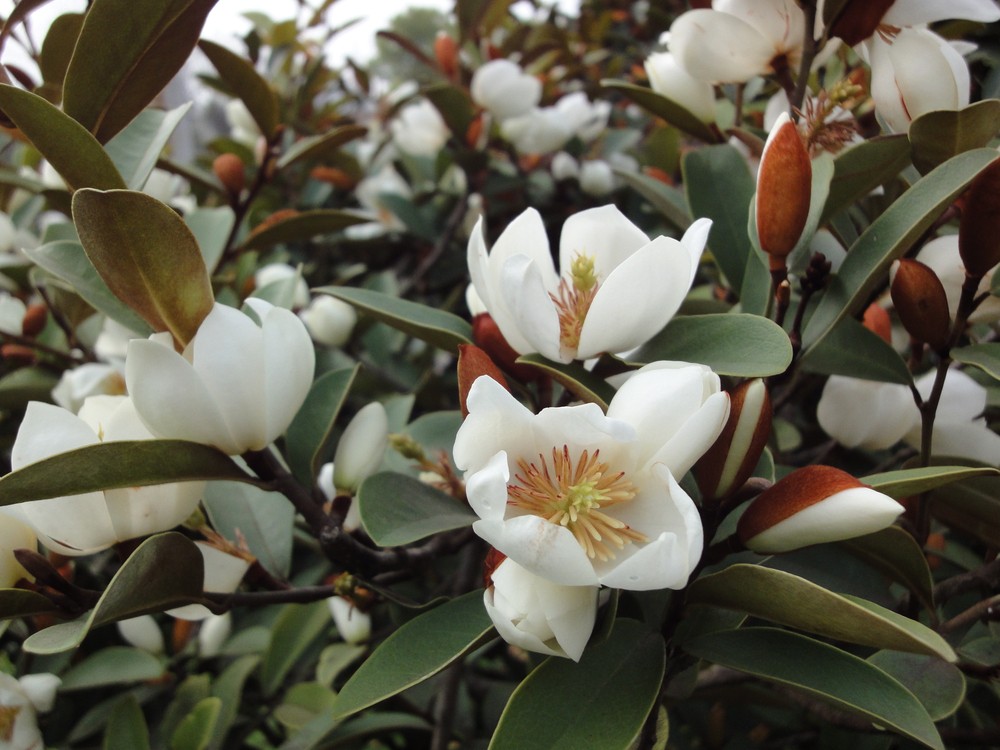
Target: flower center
[[8, 719], [576, 495], [573, 300]]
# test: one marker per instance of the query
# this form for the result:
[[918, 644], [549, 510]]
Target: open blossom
[[93, 521], [20, 702], [419, 129], [669, 79], [503, 88], [237, 384], [545, 129], [616, 288], [13, 535], [581, 498]]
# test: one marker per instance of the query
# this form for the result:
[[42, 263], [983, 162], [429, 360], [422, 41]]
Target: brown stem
[[978, 611], [809, 49]]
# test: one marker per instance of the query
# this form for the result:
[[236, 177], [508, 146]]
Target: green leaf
[[851, 349], [938, 136], [334, 659], [73, 152], [127, 52], [164, 571], [984, 356], [938, 685], [23, 603], [248, 85], [673, 112], [293, 632], [666, 199], [971, 505], [601, 702], [398, 509], [887, 238], [196, 729], [126, 726], [302, 703], [147, 256], [419, 649], [703, 171], [896, 553], [57, 49], [821, 670], [26, 384], [303, 225], [796, 602], [906, 482], [437, 327], [228, 688], [455, 106], [309, 437], [574, 377], [136, 148], [325, 729], [117, 465], [211, 228], [737, 344], [17, 15], [112, 665], [862, 168], [318, 146], [67, 260], [264, 519]]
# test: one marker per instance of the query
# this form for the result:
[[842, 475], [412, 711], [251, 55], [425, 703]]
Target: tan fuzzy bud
[[979, 231], [17, 353], [446, 54], [231, 172], [34, 320], [723, 469], [876, 320], [921, 303], [473, 362], [814, 505], [784, 187]]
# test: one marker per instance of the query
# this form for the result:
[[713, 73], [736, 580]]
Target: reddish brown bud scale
[[796, 492], [979, 230], [784, 188], [17, 353], [921, 303], [231, 172], [493, 560], [876, 320], [181, 635], [474, 131], [446, 53], [34, 320], [487, 335], [336, 177], [472, 363], [858, 19]]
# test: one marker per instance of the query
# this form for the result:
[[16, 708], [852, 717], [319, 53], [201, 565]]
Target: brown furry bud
[[34, 320], [921, 303], [979, 231], [784, 189], [231, 172]]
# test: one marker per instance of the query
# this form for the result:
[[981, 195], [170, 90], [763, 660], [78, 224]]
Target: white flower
[[89, 379], [596, 178], [142, 632], [941, 255], [237, 385], [213, 632], [14, 534], [369, 193], [20, 700], [584, 118], [864, 413], [959, 426], [93, 521], [616, 289], [112, 341], [582, 498], [564, 167], [324, 480], [504, 89], [353, 625], [223, 573], [330, 321], [278, 273], [419, 129], [361, 447], [669, 79], [540, 131], [539, 615], [12, 312]]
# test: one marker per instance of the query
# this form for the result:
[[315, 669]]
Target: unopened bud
[[784, 187], [921, 303], [979, 231], [486, 333], [353, 625], [213, 633], [142, 632], [231, 172], [361, 447], [814, 505], [336, 177], [876, 320], [724, 467], [34, 320], [446, 54], [407, 447], [474, 131], [18, 353], [473, 362]]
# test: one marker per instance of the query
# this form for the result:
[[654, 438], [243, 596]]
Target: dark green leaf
[[264, 519], [303, 226], [310, 435], [454, 105], [984, 356], [666, 199], [248, 85], [887, 238], [57, 49], [794, 601], [398, 509], [17, 15], [127, 52], [126, 726], [419, 649], [147, 256], [318, 146], [821, 670], [574, 377], [601, 702], [731, 344], [851, 349], [136, 149], [437, 327], [938, 136], [671, 111], [228, 688], [971, 505], [940, 686], [293, 632], [862, 168], [69, 148], [906, 482], [211, 228], [897, 554], [112, 665], [26, 384], [196, 729], [23, 603]]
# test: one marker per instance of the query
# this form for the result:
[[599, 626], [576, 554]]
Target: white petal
[[719, 47], [496, 419], [47, 430], [289, 365], [514, 634], [525, 235], [527, 297], [605, 234], [694, 240], [780, 21], [962, 398], [916, 12], [545, 549], [695, 436], [865, 414], [487, 488]]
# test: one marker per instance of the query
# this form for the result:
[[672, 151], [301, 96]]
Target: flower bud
[[876, 320], [142, 632], [446, 54], [473, 362], [231, 172], [724, 468], [330, 321], [784, 188], [361, 447], [596, 178], [979, 231], [487, 335], [353, 625], [213, 633], [813, 505], [921, 303], [34, 320]]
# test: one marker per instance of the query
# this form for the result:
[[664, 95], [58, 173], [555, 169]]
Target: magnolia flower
[[93, 521], [616, 288], [353, 625], [581, 498], [283, 273], [237, 384], [223, 573], [669, 79], [361, 447], [596, 177], [503, 88], [419, 129], [90, 379], [369, 193], [214, 631], [547, 129], [20, 700], [142, 632], [324, 480], [12, 312], [330, 321], [13, 535], [941, 256], [539, 615]]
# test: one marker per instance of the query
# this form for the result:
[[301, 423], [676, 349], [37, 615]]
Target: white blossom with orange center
[[617, 288], [583, 498]]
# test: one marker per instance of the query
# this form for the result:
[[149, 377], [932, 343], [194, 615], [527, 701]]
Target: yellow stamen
[[575, 295], [576, 496], [8, 718]]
